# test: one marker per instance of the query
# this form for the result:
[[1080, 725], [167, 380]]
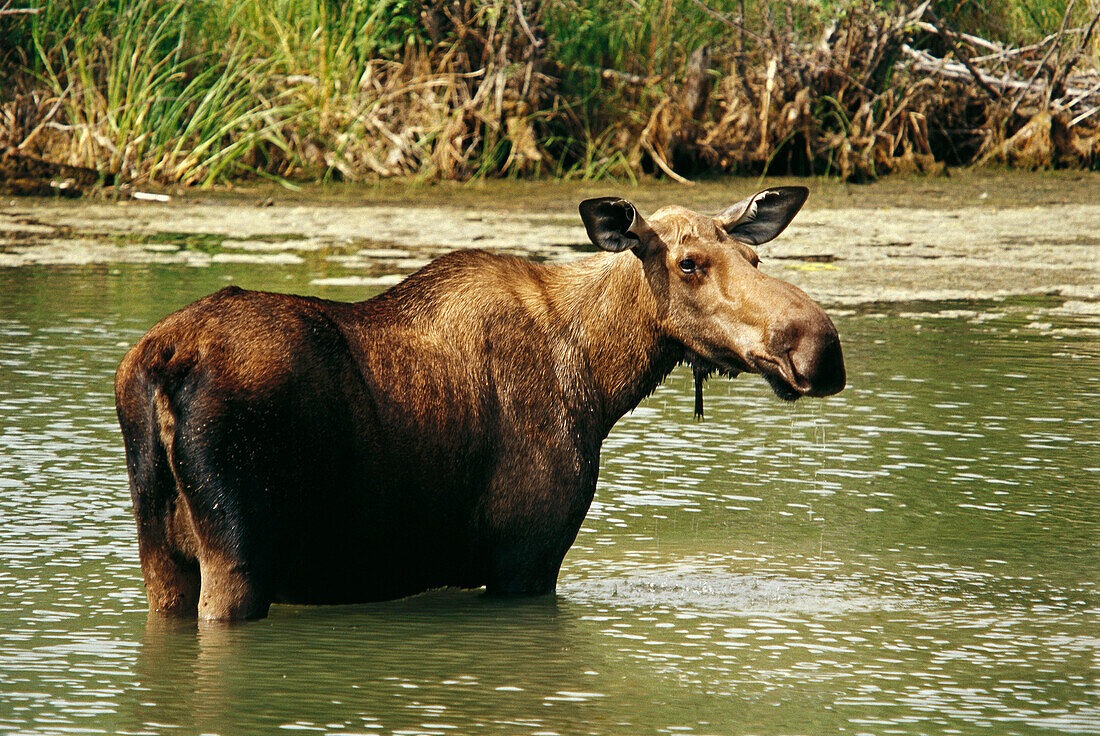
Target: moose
[[447, 432]]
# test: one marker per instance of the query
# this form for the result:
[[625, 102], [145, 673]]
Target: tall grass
[[202, 91], [333, 41], [146, 94], [196, 91]]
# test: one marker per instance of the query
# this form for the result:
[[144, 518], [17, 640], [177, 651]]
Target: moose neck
[[610, 314]]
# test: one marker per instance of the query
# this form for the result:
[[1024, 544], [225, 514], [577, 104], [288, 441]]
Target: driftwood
[[924, 62], [1051, 97], [1053, 88], [873, 96]]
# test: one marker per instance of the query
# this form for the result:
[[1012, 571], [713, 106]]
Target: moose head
[[712, 298]]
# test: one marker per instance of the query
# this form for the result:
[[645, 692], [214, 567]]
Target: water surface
[[918, 554]]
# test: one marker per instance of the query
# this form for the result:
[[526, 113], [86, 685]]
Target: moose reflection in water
[[446, 432]]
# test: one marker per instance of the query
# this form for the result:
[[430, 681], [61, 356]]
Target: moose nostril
[[829, 375], [818, 360]]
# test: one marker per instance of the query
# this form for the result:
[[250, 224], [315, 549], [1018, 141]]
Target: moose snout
[[819, 360], [811, 346]]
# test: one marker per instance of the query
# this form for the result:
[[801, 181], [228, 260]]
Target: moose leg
[[227, 511], [523, 568], [533, 522], [171, 577], [231, 589], [171, 573]]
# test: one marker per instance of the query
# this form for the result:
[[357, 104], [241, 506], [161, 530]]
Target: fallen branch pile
[[880, 94]]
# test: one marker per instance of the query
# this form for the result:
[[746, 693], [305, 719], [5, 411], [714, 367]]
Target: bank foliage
[[203, 91]]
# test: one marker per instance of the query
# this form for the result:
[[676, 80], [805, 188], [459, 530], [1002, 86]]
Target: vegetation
[[202, 91]]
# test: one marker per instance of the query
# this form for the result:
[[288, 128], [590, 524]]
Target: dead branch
[[1063, 72], [7, 9], [951, 38], [526, 28], [1057, 79]]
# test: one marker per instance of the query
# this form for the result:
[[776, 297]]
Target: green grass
[[196, 91], [146, 95]]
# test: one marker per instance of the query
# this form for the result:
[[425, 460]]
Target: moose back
[[446, 432]]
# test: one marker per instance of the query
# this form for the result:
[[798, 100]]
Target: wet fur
[[445, 433]]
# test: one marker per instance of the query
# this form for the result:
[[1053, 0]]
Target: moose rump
[[446, 432]]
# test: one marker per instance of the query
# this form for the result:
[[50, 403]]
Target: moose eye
[[687, 265]]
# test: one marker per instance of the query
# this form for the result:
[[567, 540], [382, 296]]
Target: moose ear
[[614, 224], [764, 215]]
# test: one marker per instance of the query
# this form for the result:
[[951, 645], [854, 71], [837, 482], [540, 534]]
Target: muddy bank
[[979, 238]]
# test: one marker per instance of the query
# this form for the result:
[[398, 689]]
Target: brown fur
[[446, 432]]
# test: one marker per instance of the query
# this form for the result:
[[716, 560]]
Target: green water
[[918, 555]]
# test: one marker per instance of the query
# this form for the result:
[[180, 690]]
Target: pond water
[[919, 554]]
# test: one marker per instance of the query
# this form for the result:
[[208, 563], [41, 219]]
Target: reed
[[142, 94]]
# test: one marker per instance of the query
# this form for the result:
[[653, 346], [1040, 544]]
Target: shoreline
[[969, 237]]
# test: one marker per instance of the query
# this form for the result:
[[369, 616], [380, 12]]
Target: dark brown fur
[[444, 433]]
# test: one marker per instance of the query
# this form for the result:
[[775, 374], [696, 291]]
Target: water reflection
[[917, 554], [441, 661]]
